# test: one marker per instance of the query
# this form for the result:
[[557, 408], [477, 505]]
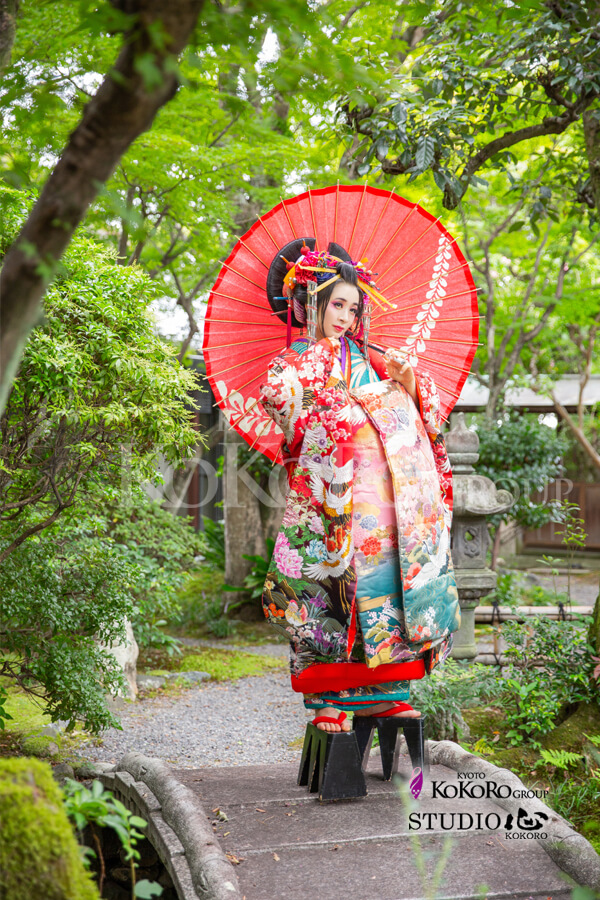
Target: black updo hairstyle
[[278, 270]]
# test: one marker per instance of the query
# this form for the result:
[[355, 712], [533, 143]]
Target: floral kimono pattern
[[368, 506]]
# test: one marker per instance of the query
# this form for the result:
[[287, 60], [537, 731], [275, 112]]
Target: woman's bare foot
[[382, 707], [330, 726]]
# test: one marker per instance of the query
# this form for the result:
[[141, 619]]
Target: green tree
[[143, 78], [460, 88], [522, 456], [149, 37], [98, 396], [534, 265]]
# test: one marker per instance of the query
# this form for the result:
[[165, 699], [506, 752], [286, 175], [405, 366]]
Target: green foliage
[[60, 593], [218, 153], [201, 602], [513, 590], [573, 537], [98, 808], [450, 688], [578, 802], [456, 76], [551, 667], [560, 759], [255, 580], [39, 856], [202, 599], [522, 456], [97, 398], [162, 548], [213, 543], [5, 716]]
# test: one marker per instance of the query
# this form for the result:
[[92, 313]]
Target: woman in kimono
[[361, 578]]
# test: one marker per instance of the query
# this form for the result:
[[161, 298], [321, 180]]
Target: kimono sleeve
[[294, 381], [429, 409]]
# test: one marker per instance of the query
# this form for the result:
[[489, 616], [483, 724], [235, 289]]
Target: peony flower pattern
[[323, 551]]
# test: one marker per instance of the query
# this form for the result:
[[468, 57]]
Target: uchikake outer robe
[[310, 590]]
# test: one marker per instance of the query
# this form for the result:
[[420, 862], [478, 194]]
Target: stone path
[[291, 846], [237, 746], [252, 720]]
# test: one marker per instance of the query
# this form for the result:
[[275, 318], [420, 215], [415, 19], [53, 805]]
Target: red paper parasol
[[418, 267]]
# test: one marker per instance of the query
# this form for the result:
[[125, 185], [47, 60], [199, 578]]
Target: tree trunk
[[591, 132], [495, 548], [577, 433], [594, 629], [8, 28], [123, 108], [241, 506]]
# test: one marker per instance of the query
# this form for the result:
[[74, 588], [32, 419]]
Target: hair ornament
[[320, 267]]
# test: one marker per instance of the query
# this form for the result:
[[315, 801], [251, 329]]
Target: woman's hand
[[401, 371]]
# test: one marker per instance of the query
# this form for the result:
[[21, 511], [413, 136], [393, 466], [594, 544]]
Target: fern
[[594, 738], [562, 759]]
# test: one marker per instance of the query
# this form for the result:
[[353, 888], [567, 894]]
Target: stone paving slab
[[293, 847], [385, 870]]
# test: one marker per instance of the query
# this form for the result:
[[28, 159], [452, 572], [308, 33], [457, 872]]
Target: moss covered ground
[[39, 855], [23, 732], [221, 664]]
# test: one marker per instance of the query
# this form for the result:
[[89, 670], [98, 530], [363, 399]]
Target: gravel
[[249, 721]]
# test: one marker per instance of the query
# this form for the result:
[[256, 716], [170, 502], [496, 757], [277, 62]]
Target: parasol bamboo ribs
[[410, 247], [423, 283], [241, 387], [243, 416], [246, 322], [376, 226], [288, 218], [424, 302], [276, 337], [269, 233], [440, 319], [437, 340], [437, 362], [312, 215], [397, 231], [245, 277], [242, 362], [239, 300], [260, 433], [250, 250], [414, 268], [356, 218]]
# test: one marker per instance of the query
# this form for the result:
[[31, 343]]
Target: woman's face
[[341, 310]]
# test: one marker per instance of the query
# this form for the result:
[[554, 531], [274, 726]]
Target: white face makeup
[[341, 310]]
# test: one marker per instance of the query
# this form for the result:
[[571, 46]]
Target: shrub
[[162, 547], [60, 592], [450, 688], [202, 600], [97, 398], [97, 808], [552, 666], [512, 589]]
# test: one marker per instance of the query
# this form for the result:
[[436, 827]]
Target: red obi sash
[[336, 677]]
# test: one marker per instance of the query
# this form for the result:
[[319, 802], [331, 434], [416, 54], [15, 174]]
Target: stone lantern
[[475, 498]]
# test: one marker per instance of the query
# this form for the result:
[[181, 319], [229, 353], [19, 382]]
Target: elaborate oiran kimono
[[361, 571]]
